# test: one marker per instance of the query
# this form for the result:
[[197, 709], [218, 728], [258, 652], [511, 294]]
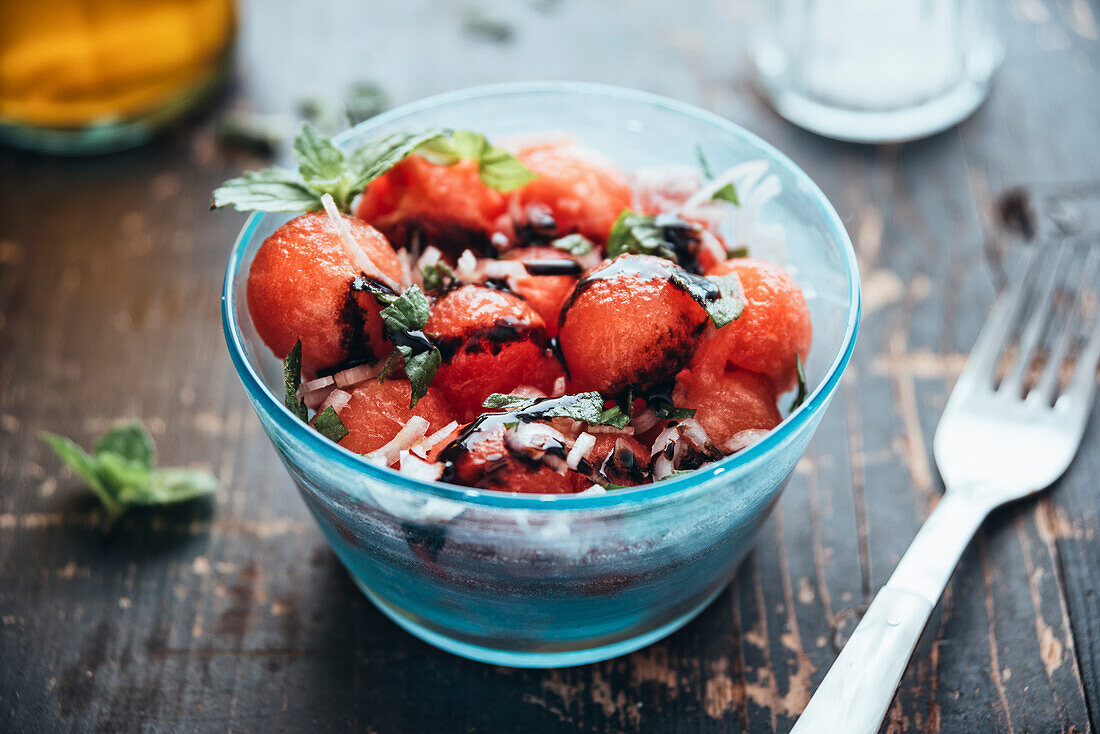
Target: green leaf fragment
[[803, 387], [121, 471], [407, 312], [730, 304], [130, 441], [638, 234], [703, 163], [614, 416], [292, 379], [508, 402], [737, 252], [496, 167], [269, 190], [318, 158], [363, 101], [727, 193], [329, 425], [436, 276], [574, 244], [420, 368]]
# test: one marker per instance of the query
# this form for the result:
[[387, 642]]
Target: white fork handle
[[857, 691]]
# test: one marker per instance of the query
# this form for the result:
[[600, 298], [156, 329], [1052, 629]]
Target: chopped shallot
[[337, 400], [582, 447], [317, 384], [412, 432], [357, 374], [352, 246], [559, 388], [742, 440], [503, 269], [418, 468], [629, 430], [314, 398], [466, 265], [528, 391], [429, 258], [643, 420], [426, 444]]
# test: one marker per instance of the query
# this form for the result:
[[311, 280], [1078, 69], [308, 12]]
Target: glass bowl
[[552, 580]]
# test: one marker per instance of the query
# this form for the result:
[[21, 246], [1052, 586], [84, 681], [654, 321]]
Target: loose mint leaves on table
[[121, 470]]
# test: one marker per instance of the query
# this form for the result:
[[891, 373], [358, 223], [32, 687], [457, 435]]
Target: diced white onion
[[412, 432], [643, 420], [430, 257], [499, 240], [357, 374], [315, 385], [405, 259], [428, 443], [418, 468], [556, 463], [314, 398], [466, 265], [337, 400], [742, 440], [504, 269], [582, 447], [528, 391], [559, 388], [595, 489], [694, 433], [662, 468]]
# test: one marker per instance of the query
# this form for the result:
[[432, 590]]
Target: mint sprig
[[497, 168], [404, 319], [122, 472], [638, 234], [323, 168]]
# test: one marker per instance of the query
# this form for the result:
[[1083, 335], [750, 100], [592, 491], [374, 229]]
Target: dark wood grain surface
[[233, 615]]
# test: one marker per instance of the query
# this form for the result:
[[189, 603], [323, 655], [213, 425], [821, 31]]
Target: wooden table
[[235, 615]]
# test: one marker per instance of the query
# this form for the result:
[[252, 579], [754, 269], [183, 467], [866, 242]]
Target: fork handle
[[857, 691]]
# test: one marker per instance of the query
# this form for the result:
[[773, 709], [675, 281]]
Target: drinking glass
[[877, 70]]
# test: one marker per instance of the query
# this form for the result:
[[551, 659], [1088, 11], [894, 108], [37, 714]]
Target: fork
[[997, 441]]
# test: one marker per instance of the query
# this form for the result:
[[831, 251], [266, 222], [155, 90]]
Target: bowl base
[[513, 659]]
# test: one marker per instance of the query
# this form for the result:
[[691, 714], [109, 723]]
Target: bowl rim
[[324, 450]]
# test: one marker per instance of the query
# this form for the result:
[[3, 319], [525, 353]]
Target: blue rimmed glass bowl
[[546, 581]]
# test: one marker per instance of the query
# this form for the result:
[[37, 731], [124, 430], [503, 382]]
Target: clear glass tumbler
[[878, 70]]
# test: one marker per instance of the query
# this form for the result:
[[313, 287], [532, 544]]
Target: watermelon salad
[[523, 315]]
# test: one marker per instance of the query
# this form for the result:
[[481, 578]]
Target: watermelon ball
[[580, 189], [378, 410], [545, 293], [771, 332], [491, 342], [489, 454], [615, 458], [303, 284], [445, 206], [728, 402], [627, 325]]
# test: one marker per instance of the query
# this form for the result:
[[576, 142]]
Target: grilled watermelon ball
[[491, 342], [581, 190], [773, 329], [615, 458], [378, 410], [728, 402], [446, 206], [627, 325], [495, 453], [303, 284], [545, 293]]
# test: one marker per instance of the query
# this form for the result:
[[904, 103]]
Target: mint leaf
[[614, 416], [269, 190], [292, 380], [737, 252], [373, 159], [803, 388], [408, 312], [727, 193], [83, 465], [638, 234], [317, 156], [720, 296], [323, 169], [130, 441], [508, 402], [177, 484], [121, 471], [436, 277], [497, 168], [420, 368], [574, 244], [404, 320], [329, 425]]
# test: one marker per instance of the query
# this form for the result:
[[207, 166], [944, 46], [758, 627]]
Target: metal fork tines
[[1011, 427]]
